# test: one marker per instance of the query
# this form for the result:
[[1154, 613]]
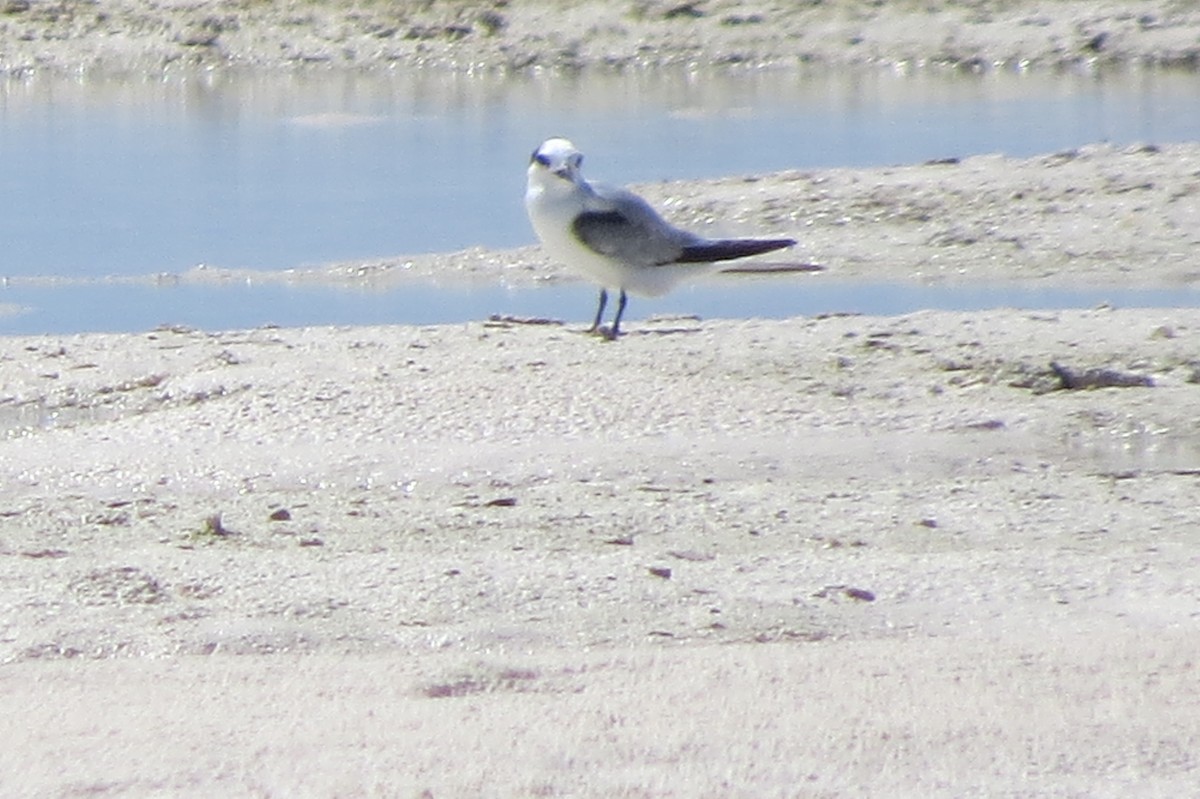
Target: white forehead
[[558, 148]]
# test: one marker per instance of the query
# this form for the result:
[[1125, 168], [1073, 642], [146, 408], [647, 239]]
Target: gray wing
[[623, 226]]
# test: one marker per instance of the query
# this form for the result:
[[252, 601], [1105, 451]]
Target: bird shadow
[[771, 268]]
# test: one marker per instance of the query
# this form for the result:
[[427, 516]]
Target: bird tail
[[707, 252]]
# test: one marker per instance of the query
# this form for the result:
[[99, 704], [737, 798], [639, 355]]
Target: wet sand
[[939, 554]]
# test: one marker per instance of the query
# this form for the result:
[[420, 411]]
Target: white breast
[[552, 212], [554, 203]]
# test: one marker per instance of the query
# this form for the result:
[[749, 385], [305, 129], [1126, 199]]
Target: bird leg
[[599, 311], [616, 326]]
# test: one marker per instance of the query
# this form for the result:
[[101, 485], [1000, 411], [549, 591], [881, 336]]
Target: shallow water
[[140, 307], [119, 177]]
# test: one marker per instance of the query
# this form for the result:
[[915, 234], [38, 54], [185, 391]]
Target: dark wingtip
[[728, 249]]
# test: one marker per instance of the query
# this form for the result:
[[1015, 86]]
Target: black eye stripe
[[544, 160]]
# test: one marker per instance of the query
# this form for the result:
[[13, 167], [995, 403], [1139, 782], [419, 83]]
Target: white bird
[[613, 236]]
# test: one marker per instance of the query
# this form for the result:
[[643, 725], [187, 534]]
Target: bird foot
[[602, 331]]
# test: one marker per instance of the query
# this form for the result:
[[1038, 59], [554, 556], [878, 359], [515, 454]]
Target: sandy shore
[[1092, 216], [941, 554], [934, 554], [37, 35]]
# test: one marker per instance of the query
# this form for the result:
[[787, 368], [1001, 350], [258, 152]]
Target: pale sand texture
[[1078, 715], [900, 561]]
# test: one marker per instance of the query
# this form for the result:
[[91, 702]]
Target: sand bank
[[126, 35]]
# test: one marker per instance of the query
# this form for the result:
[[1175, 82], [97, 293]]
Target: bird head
[[556, 157]]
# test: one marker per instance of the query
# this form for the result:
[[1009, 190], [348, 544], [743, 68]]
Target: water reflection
[[126, 177], [138, 307]]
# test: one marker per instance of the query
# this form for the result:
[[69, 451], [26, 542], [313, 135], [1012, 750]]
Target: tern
[[614, 237]]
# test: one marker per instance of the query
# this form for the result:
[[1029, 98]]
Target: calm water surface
[[131, 177], [135, 308]]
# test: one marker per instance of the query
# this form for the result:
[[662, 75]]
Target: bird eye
[[544, 160]]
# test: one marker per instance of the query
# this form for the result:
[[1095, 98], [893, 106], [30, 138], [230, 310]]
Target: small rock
[[661, 571], [987, 424], [44, 553], [1074, 380], [492, 22], [861, 594], [687, 10], [733, 20], [1097, 42], [832, 591], [214, 526], [1164, 331]]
